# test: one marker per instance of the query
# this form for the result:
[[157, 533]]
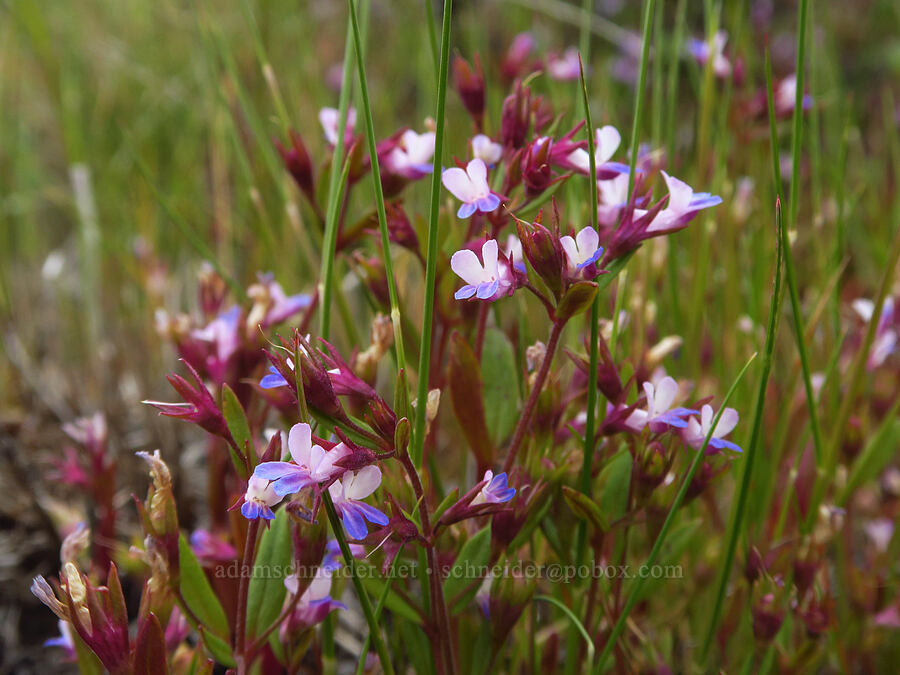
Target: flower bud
[[299, 165], [767, 619], [510, 594], [516, 116], [544, 252], [469, 83]]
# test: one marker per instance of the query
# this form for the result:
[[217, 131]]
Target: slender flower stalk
[[418, 439], [240, 637]]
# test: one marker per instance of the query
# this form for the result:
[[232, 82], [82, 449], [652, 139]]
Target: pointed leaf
[[464, 379], [577, 299], [585, 508], [614, 486], [198, 593], [500, 375], [474, 555], [237, 423], [265, 596], [150, 648]]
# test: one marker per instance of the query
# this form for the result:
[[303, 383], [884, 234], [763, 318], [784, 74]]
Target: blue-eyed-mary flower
[[271, 305], [565, 67], [486, 150], [314, 604], [412, 154], [613, 197], [696, 431], [223, 337], [659, 415], [683, 205], [312, 463], [329, 118], [582, 252], [886, 333], [488, 279], [495, 490], [64, 640], [471, 187], [259, 499], [347, 493], [703, 51], [606, 142]]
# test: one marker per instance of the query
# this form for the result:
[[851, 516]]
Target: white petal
[[478, 175], [571, 250], [580, 160], [666, 391], [588, 240], [300, 442], [465, 265], [320, 586], [865, 308], [608, 139], [490, 255], [360, 484], [727, 422], [680, 194], [457, 181], [291, 583], [706, 418]]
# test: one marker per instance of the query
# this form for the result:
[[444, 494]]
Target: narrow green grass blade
[[418, 442], [379, 193], [751, 450], [667, 525]]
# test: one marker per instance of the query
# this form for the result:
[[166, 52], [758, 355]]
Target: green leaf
[[474, 555], [499, 374], [577, 299], [266, 592], [613, 486], [451, 498], [199, 595], [219, 648], [397, 605], [240, 432]]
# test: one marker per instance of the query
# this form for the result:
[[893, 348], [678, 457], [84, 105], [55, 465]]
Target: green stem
[[418, 445], [365, 603]]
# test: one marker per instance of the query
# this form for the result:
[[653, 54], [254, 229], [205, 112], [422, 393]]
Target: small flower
[[207, 545], [411, 156], [659, 414], [487, 280], [223, 334], [495, 490], [607, 140], [347, 493], [315, 603], [471, 187], [260, 498], [486, 150], [271, 305], [880, 532], [518, 56], [683, 204], [583, 250], [695, 432], [785, 96], [513, 251], [274, 379], [329, 119], [312, 464], [613, 197], [703, 51], [566, 67]]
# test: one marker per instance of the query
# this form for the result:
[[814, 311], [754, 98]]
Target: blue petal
[[354, 522], [250, 510], [594, 258], [465, 292], [275, 470], [489, 203], [703, 200], [423, 168], [487, 289], [504, 495], [466, 210], [722, 444], [372, 514], [272, 381], [614, 166], [266, 513], [290, 484]]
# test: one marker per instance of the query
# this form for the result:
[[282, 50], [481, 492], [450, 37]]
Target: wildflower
[[223, 337], [566, 67], [696, 432], [471, 187], [411, 156], [495, 490], [516, 60], [515, 116], [329, 119], [606, 142], [490, 279], [583, 250], [312, 464], [314, 604], [880, 532], [347, 493], [209, 546], [703, 51], [486, 150], [613, 197], [274, 379], [785, 96], [513, 251], [334, 555], [886, 337], [683, 205], [259, 499], [659, 414], [271, 305]]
